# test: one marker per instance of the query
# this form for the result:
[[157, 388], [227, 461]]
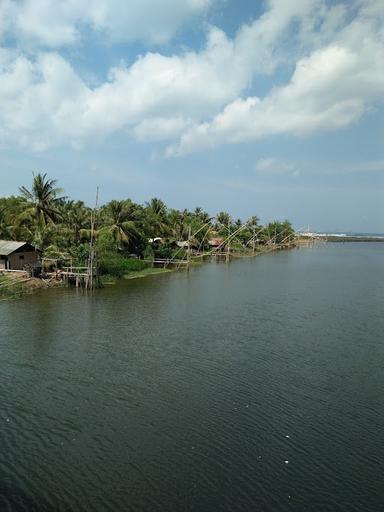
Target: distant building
[[16, 255], [216, 242], [183, 244]]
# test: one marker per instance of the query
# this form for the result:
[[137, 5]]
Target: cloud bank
[[56, 23], [191, 100]]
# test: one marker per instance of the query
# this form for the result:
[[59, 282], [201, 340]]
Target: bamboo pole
[[90, 280], [227, 257], [189, 248]]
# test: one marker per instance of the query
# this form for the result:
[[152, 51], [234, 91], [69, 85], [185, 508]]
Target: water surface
[[256, 386]]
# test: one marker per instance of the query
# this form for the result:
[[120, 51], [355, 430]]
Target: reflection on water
[[256, 386]]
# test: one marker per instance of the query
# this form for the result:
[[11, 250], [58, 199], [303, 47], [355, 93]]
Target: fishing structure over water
[[191, 252], [223, 247], [66, 241]]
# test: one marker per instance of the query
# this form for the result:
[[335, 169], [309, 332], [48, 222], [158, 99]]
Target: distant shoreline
[[332, 238], [342, 237]]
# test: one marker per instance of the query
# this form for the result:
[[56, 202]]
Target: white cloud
[[273, 165], [330, 89], [157, 96], [50, 23], [53, 23], [197, 99], [277, 166], [160, 128]]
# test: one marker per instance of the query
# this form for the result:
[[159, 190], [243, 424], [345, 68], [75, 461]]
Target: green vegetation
[[114, 264], [146, 272], [11, 288], [126, 233]]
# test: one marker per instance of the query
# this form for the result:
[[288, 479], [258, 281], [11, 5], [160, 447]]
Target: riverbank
[[335, 237], [331, 238], [14, 286], [137, 274]]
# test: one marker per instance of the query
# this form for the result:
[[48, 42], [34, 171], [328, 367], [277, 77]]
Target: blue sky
[[273, 108]]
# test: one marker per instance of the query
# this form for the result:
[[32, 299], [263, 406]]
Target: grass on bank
[[113, 266], [117, 265], [11, 288], [146, 272]]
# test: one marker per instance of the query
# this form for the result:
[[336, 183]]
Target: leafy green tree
[[223, 218], [4, 227], [155, 219], [119, 224], [277, 232], [180, 223], [75, 221], [62, 227], [42, 203], [253, 222]]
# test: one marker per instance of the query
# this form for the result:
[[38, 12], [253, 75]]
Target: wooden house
[[16, 255]]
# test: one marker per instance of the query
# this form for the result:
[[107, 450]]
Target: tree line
[[61, 227]]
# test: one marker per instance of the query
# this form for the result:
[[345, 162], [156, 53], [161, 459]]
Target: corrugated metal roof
[[8, 247]]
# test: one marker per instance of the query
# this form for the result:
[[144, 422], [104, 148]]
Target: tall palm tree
[[4, 224], [253, 221], [238, 223], [156, 218], [223, 218], [223, 221], [119, 224], [75, 220], [200, 214], [42, 203]]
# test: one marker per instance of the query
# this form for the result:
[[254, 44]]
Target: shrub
[[168, 252], [117, 265]]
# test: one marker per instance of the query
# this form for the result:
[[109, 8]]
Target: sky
[[273, 107]]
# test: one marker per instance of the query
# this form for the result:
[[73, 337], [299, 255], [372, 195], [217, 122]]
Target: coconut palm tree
[[156, 218], [4, 225], [238, 223], [42, 201], [119, 224], [75, 224], [223, 223], [253, 221], [223, 218], [201, 215]]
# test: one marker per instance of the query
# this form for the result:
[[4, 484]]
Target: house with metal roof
[[17, 255]]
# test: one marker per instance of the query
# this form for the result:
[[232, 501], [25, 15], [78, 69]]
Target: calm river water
[[256, 386]]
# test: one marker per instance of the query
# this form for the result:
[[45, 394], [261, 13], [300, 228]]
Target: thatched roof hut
[[216, 242]]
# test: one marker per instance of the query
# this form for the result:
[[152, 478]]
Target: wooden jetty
[[81, 277]]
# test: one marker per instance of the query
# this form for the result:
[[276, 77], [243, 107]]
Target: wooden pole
[[189, 248], [90, 277], [229, 241]]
